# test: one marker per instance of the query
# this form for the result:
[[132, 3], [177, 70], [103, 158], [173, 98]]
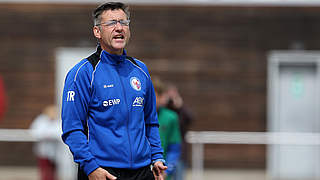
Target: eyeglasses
[[113, 23]]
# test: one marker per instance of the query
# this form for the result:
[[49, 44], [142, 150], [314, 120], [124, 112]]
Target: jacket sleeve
[[151, 119], [75, 102]]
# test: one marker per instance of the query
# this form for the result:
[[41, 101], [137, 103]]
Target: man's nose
[[118, 26]]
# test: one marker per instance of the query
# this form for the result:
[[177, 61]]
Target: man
[[109, 117], [169, 129]]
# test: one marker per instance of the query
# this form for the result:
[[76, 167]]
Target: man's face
[[113, 38]]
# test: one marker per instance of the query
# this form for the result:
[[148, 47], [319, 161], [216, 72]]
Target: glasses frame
[[113, 23]]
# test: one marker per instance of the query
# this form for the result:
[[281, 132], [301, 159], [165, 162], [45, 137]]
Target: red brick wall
[[217, 56]]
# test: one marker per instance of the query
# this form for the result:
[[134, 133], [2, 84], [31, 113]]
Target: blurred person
[[109, 117], [3, 103], [175, 103], [45, 128], [169, 129]]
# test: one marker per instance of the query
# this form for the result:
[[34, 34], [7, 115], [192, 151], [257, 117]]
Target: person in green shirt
[[169, 129]]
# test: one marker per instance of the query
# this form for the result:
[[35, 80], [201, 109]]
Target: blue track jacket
[[109, 113]]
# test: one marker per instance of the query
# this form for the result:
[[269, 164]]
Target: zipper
[[128, 117]]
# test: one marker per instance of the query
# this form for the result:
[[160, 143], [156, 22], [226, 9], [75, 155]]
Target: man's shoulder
[[93, 59], [83, 67], [136, 61], [141, 65]]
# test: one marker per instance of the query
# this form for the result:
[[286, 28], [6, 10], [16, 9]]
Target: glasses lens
[[124, 22], [112, 23]]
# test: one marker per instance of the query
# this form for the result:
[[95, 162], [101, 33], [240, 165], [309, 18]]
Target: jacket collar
[[112, 58]]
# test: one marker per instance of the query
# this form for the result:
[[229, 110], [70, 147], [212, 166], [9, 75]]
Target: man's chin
[[119, 47]]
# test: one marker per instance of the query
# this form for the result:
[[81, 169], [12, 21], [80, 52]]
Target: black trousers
[[143, 173]]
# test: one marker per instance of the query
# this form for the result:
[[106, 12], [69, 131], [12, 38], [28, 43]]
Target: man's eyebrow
[[115, 20]]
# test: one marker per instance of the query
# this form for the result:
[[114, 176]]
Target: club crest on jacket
[[135, 83]]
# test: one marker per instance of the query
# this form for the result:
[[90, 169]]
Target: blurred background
[[240, 66]]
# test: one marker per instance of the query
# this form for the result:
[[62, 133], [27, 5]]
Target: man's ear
[[96, 32]]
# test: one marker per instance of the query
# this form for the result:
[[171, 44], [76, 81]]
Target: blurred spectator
[[169, 129], [2, 99], [175, 103], [46, 129]]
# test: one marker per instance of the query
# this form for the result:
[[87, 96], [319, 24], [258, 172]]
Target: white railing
[[66, 169], [16, 135], [199, 138]]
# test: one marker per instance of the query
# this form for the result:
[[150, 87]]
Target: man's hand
[[100, 174], [158, 170]]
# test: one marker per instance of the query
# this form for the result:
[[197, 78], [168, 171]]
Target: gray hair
[[109, 6]]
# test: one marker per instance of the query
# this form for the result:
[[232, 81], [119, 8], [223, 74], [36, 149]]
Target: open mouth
[[120, 36]]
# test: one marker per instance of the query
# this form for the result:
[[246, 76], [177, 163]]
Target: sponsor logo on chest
[[138, 101], [111, 102]]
